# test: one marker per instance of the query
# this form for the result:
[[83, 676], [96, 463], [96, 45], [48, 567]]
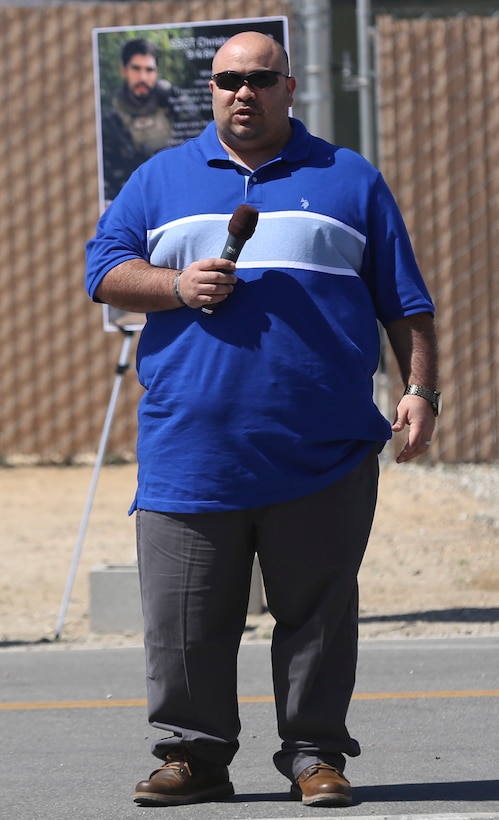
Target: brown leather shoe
[[322, 785], [183, 780]]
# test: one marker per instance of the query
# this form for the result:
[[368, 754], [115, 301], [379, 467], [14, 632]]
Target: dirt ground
[[431, 567]]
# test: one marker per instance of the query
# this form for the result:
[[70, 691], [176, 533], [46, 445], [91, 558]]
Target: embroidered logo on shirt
[[304, 203]]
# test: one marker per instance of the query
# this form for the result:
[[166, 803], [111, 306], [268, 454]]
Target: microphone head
[[243, 221]]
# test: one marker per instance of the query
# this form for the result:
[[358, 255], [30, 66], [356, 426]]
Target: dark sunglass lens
[[229, 80], [263, 79]]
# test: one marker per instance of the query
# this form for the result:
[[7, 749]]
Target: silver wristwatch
[[430, 395]]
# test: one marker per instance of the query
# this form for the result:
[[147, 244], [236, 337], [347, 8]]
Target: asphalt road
[[75, 738]]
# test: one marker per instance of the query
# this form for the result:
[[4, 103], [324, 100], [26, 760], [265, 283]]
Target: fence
[[438, 126]]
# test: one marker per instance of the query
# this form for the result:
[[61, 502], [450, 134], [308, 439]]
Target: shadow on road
[[17, 643], [475, 615], [476, 791]]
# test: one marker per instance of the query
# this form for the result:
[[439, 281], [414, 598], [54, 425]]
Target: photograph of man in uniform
[[138, 122]]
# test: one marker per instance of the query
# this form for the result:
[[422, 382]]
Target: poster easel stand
[[121, 368]]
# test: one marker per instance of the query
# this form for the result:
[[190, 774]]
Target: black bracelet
[[176, 288]]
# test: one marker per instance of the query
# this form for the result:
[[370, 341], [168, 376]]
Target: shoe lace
[[178, 761], [316, 767]]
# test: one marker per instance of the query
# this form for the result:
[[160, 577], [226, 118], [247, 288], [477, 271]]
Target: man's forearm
[[138, 287], [414, 343]]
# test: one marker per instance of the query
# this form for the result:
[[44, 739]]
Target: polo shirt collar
[[297, 148]]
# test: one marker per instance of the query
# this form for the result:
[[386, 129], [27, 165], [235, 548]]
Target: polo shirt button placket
[[254, 191]]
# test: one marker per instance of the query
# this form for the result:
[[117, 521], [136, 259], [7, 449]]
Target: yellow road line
[[72, 704], [140, 702], [462, 693]]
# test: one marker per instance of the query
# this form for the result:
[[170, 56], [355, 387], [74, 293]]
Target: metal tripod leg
[[121, 368]]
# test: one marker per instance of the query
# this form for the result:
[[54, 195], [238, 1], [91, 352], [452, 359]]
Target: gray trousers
[[195, 573]]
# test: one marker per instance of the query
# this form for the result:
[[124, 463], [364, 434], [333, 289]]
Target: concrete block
[[115, 597]]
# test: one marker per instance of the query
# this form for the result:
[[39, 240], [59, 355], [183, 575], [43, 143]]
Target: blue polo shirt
[[271, 397]]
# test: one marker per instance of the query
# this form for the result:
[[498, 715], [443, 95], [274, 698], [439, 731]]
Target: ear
[[291, 84]]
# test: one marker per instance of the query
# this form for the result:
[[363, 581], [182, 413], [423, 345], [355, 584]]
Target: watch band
[[433, 396]]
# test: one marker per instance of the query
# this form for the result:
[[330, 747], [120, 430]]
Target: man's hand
[[207, 282], [417, 413]]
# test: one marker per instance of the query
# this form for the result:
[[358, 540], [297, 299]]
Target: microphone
[[242, 226]]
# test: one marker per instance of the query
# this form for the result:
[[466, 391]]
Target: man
[[257, 428], [139, 121]]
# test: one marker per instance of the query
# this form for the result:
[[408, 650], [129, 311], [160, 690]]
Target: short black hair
[[139, 46]]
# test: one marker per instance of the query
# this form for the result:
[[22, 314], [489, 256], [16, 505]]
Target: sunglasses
[[233, 80]]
